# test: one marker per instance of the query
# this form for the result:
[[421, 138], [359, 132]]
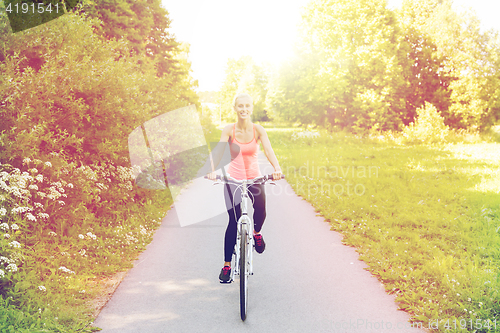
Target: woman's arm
[[268, 151]]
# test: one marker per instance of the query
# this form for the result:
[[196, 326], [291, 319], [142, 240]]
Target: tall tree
[[468, 55], [358, 78], [424, 68], [145, 24]]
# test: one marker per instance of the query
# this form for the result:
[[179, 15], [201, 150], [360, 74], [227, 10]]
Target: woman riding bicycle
[[244, 138]]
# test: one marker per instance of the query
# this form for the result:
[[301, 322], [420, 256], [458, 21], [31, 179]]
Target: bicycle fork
[[243, 222]]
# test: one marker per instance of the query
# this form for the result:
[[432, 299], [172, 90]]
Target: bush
[[69, 210], [429, 127]]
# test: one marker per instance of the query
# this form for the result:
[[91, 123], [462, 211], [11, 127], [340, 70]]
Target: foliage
[[144, 24], [59, 235], [82, 99], [348, 72], [424, 68], [244, 76], [428, 127], [68, 204], [425, 219], [467, 56], [363, 67], [293, 93]]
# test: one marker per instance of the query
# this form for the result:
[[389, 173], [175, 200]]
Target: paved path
[[305, 281]]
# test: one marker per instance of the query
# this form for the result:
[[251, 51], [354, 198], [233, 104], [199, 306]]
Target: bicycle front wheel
[[243, 274]]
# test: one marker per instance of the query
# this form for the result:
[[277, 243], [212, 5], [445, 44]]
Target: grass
[[426, 219]]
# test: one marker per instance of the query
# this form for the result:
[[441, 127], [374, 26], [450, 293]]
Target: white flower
[[39, 178], [4, 226], [6, 236], [52, 234], [34, 170], [18, 210], [11, 267], [91, 235], [26, 160], [42, 288], [2, 273], [70, 185], [82, 291], [43, 215], [81, 236], [33, 187], [48, 164], [15, 244], [14, 227], [31, 217], [4, 260], [66, 270], [82, 252], [3, 211], [61, 202]]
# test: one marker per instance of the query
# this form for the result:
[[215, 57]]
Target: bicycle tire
[[243, 275]]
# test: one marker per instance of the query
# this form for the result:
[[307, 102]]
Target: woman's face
[[243, 107]]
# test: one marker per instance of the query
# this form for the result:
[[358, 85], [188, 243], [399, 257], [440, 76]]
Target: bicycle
[[243, 258]]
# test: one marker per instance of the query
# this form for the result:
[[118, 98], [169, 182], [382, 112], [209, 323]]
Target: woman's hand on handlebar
[[211, 175], [277, 174]]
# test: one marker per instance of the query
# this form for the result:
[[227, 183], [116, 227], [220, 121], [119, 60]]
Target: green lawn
[[426, 219]]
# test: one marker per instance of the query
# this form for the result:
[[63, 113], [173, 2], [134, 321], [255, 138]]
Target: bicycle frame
[[243, 222]]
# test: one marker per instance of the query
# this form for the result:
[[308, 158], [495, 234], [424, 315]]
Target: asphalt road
[[305, 281]]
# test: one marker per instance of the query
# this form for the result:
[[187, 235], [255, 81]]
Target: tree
[[82, 96], [144, 24], [468, 59], [424, 68], [349, 51], [293, 93], [244, 75]]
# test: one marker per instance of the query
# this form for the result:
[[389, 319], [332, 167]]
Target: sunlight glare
[[225, 29]]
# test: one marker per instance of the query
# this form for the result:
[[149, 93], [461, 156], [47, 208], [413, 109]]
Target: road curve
[[305, 281]]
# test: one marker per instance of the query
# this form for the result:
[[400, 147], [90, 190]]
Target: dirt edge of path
[[106, 287]]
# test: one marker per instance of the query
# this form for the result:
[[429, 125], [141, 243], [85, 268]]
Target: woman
[[244, 138]]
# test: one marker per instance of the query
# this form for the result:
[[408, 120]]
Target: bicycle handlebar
[[264, 178]]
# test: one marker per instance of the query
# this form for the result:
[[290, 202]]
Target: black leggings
[[258, 194]]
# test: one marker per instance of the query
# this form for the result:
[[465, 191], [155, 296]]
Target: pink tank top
[[244, 163]]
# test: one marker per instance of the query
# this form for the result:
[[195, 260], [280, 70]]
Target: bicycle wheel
[[243, 275]]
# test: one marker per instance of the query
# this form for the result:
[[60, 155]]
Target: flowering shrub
[[60, 228]]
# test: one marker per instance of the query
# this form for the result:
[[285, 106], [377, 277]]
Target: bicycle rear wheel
[[243, 275]]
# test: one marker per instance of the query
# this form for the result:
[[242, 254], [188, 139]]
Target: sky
[[218, 30]]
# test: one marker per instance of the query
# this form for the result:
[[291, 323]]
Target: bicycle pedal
[[225, 282]]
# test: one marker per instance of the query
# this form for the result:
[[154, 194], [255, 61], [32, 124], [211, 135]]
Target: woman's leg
[[232, 229], [259, 206]]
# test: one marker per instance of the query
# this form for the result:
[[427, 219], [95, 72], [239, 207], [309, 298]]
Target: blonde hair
[[241, 95]]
